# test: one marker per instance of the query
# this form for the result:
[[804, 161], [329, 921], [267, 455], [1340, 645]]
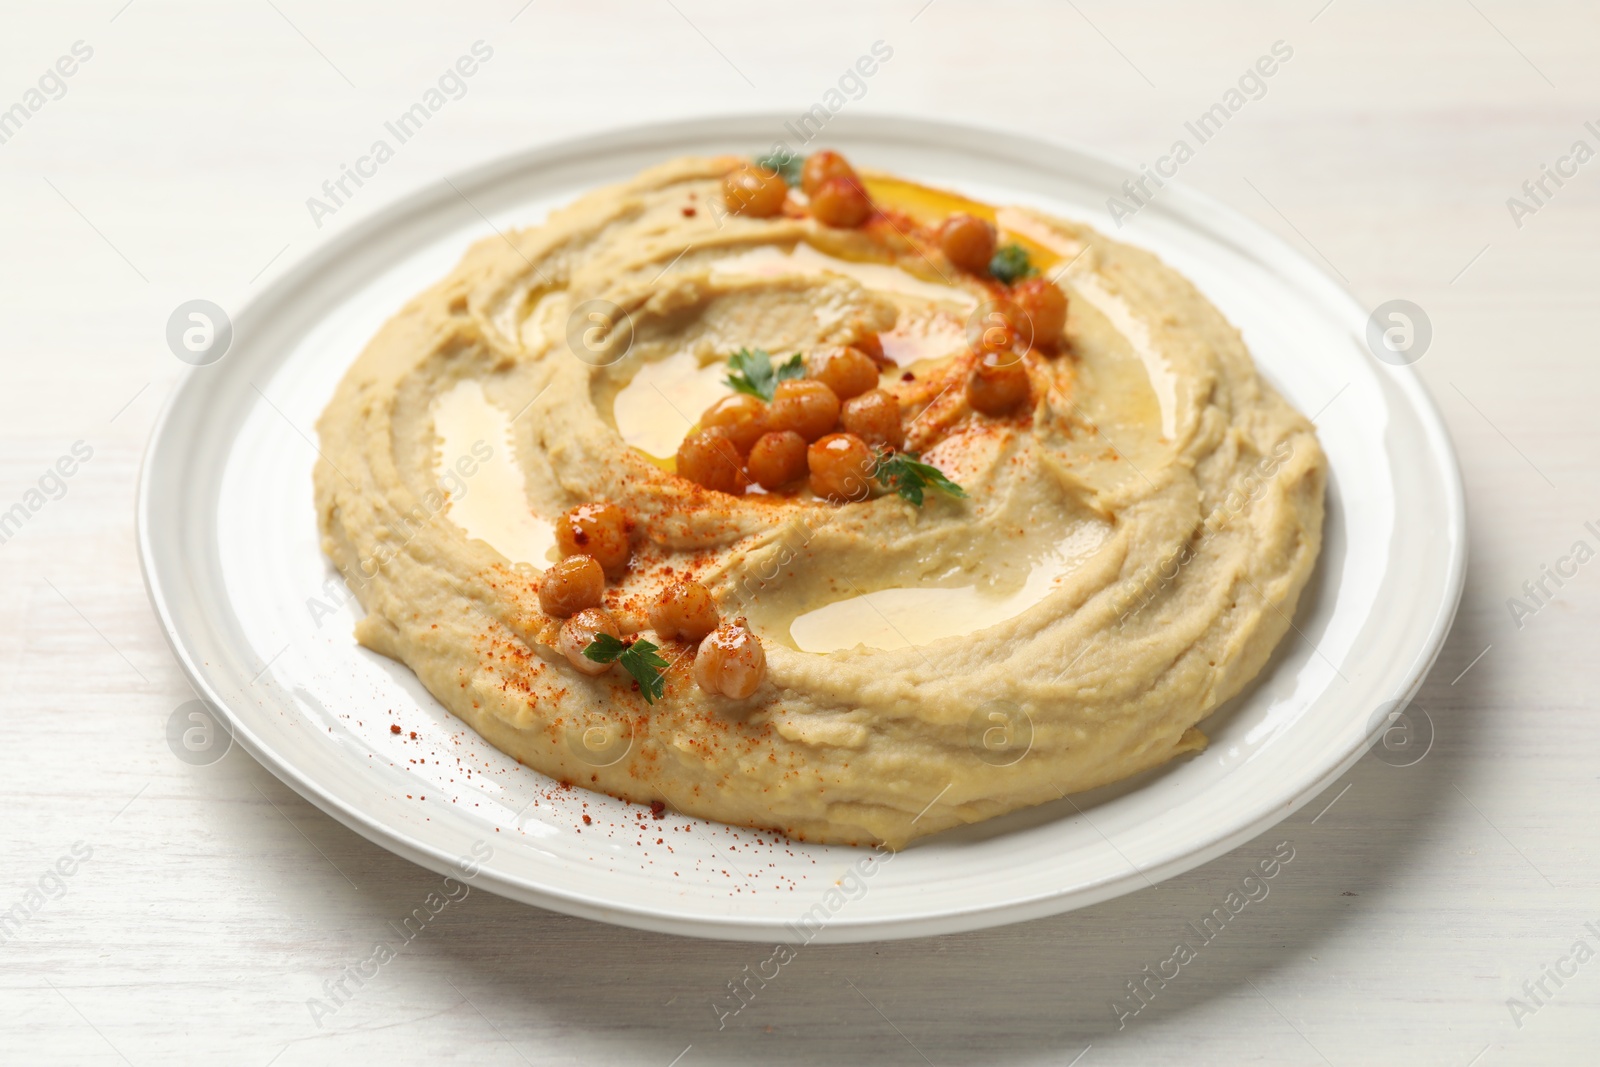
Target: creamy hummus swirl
[[1130, 549]]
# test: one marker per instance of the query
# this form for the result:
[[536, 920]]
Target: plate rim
[[731, 126]]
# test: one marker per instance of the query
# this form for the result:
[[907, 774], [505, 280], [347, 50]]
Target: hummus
[[1129, 549]]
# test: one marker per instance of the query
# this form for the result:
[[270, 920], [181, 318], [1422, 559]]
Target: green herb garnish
[[907, 475], [638, 658], [783, 163], [753, 372], [1010, 264]]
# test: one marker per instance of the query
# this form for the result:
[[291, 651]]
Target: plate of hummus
[[691, 530]]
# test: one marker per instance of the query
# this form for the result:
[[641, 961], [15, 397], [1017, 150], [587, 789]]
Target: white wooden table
[[213, 903]]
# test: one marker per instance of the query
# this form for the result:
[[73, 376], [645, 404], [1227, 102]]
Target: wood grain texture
[[215, 903]]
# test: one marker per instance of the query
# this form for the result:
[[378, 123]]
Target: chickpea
[[684, 611], [998, 384], [968, 242], [571, 586], [754, 191], [731, 662], [597, 530], [820, 166], [807, 407], [841, 467], [871, 346], [778, 459], [847, 371], [1046, 305], [742, 415], [841, 202], [710, 458], [579, 632], [874, 416]]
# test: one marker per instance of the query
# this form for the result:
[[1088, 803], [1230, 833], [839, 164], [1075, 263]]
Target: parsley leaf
[[638, 658], [1010, 264], [784, 163], [906, 475], [753, 372], [605, 648]]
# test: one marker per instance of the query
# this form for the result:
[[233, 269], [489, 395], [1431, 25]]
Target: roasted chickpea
[[874, 416], [820, 166], [841, 202], [742, 415], [807, 407], [778, 459], [754, 191], [1046, 305], [841, 467], [871, 346], [968, 242], [684, 611], [847, 371], [710, 458], [576, 583], [730, 662], [998, 384], [579, 632], [598, 530]]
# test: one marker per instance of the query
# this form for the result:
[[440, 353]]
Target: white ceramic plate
[[261, 623]]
